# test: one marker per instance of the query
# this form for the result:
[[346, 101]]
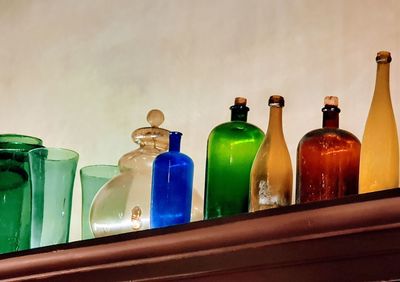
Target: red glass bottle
[[327, 159]]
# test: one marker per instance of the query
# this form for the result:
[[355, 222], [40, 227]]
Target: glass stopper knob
[[155, 118]]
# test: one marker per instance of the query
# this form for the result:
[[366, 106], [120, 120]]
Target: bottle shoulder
[[329, 134], [173, 158], [236, 130]]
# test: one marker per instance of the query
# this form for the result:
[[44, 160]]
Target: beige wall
[[83, 74]]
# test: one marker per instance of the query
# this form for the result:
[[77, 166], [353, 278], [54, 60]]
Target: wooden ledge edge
[[203, 240]]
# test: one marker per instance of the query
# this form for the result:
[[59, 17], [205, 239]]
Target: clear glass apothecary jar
[[123, 203]]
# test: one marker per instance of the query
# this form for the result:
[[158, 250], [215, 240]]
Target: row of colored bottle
[[247, 170], [329, 165]]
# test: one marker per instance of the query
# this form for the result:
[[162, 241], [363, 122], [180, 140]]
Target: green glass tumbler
[[15, 191], [93, 177], [52, 178]]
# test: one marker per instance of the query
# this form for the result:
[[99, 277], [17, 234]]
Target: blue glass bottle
[[171, 194]]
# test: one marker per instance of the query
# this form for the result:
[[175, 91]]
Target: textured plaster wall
[[83, 74]]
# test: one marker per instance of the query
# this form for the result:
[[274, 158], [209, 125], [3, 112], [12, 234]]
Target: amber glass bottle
[[379, 165], [327, 159], [271, 174]]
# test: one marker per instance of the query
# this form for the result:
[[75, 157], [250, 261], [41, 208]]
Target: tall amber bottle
[[379, 165], [271, 175], [327, 159]]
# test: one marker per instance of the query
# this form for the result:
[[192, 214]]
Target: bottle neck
[[382, 81], [239, 113], [275, 121], [330, 116], [175, 141]]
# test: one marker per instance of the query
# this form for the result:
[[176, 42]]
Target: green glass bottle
[[231, 149]]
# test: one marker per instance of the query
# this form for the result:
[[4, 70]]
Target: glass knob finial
[[155, 118]]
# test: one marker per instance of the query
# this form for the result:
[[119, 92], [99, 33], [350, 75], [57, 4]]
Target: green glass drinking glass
[[52, 178], [15, 191], [93, 177]]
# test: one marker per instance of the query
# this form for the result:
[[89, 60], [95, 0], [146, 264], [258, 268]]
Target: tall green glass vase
[[15, 191], [52, 179], [231, 149]]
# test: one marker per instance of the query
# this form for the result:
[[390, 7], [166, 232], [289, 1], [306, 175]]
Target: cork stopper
[[240, 101], [383, 57], [276, 101], [331, 101]]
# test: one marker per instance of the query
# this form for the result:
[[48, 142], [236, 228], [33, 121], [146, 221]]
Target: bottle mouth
[[329, 108], [383, 57], [276, 101]]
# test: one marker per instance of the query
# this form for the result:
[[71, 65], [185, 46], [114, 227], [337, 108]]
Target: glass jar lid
[[153, 135]]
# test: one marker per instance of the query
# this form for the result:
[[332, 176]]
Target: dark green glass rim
[[19, 142]]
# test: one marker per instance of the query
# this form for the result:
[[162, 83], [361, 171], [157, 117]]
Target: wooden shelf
[[350, 239]]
